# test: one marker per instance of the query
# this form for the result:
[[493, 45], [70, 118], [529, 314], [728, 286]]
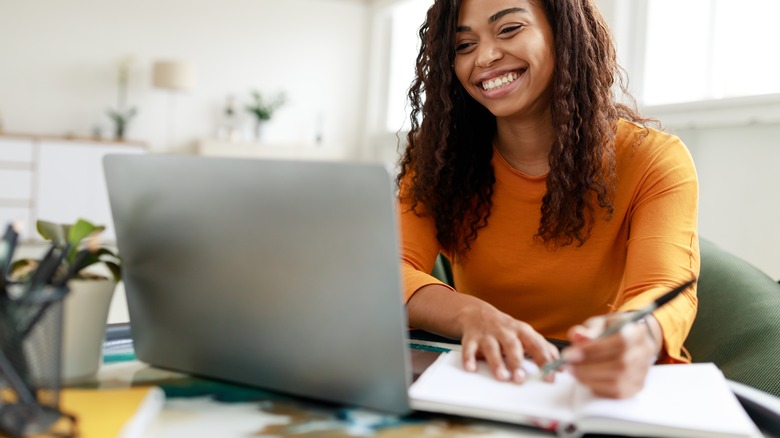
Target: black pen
[[47, 268], [632, 317], [8, 247]]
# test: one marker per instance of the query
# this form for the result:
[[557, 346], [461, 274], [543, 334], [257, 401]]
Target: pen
[[632, 317], [7, 247]]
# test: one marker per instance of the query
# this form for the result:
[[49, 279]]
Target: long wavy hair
[[446, 166]]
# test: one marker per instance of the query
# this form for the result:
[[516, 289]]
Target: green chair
[[738, 321], [442, 270]]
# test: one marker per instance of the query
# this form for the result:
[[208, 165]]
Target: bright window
[[406, 18], [710, 49]]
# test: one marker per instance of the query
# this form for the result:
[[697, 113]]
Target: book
[[685, 400], [116, 412]]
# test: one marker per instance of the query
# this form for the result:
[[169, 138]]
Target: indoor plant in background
[[263, 109], [94, 271], [121, 115]]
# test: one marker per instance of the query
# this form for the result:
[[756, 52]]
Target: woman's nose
[[488, 53]]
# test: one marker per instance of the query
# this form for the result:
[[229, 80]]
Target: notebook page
[[446, 382], [694, 397]]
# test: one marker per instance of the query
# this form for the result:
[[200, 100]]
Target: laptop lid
[[277, 274]]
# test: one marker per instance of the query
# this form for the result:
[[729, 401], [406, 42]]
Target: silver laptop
[[277, 274]]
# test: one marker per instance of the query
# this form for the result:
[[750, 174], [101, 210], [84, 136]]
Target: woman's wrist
[[471, 309], [654, 333]]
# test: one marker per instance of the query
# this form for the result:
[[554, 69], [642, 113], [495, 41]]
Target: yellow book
[[121, 412]]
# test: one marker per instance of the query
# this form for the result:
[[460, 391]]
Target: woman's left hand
[[617, 365]]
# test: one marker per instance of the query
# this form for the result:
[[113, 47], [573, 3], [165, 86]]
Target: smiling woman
[[559, 208]]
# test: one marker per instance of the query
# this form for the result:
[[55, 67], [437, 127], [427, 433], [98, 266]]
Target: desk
[[202, 407], [197, 407]]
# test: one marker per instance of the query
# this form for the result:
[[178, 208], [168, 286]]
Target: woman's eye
[[462, 47], [510, 29]]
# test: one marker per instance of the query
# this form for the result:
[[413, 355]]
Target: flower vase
[[260, 127]]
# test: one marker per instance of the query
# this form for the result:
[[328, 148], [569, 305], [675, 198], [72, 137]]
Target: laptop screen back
[[277, 274]]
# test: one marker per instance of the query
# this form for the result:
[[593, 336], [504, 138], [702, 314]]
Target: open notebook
[[678, 400]]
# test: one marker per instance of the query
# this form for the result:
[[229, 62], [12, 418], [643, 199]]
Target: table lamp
[[174, 76]]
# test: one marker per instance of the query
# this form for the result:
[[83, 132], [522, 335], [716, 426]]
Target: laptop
[[277, 274]]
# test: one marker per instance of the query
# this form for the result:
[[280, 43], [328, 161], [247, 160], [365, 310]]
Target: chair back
[[738, 321]]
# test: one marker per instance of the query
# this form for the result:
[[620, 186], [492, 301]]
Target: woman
[[553, 201]]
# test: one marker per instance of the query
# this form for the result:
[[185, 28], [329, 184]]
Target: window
[[709, 49], [406, 18]]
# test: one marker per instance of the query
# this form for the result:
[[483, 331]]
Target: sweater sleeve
[[663, 246], [419, 249]]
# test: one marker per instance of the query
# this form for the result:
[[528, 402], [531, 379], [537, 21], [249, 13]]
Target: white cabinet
[[16, 181], [55, 179]]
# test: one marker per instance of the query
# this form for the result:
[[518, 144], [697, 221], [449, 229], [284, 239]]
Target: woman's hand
[[502, 341], [617, 365], [485, 332]]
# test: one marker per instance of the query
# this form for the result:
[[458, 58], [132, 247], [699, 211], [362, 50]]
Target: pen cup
[[30, 360]]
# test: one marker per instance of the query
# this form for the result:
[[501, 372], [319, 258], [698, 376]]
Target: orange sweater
[[649, 246]]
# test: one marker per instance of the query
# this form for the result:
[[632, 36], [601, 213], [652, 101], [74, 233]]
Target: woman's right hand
[[484, 331], [502, 341]]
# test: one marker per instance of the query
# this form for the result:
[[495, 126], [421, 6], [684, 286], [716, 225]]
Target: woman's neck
[[526, 144]]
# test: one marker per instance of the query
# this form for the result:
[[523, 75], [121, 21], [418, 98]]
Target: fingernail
[[520, 375], [471, 366], [503, 374], [573, 355]]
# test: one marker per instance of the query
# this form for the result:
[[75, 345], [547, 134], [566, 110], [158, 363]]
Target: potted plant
[[263, 109], [90, 292], [122, 115]]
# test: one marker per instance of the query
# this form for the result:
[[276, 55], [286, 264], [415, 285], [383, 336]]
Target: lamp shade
[[173, 75]]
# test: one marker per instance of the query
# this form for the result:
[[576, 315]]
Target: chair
[[738, 321], [442, 270]]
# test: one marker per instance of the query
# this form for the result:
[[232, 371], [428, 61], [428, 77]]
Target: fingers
[[614, 366], [503, 353], [540, 350], [491, 350], [469, 352], [513, 356], [503, 346]]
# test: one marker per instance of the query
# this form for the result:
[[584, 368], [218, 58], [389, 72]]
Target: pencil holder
[[30, 360]]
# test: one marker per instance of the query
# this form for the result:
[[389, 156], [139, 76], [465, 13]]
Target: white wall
[[59, 65], [739, 186]]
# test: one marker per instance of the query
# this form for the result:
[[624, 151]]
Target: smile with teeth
[[494, 83]]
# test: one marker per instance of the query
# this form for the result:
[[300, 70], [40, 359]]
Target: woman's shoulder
[[641, 141]]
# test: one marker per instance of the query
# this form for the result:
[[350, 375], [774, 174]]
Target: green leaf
[[22, 269], [81, 230], [116, 271], [77, 233], [89, 260], [56, 233], [106, 252]]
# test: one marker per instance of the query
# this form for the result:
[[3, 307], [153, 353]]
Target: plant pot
[[85, 313], [260, 129]]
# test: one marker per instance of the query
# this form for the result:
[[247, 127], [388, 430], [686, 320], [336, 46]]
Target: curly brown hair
[[446, 167]]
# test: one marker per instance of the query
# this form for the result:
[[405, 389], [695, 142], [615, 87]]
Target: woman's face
[[505, 56]]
